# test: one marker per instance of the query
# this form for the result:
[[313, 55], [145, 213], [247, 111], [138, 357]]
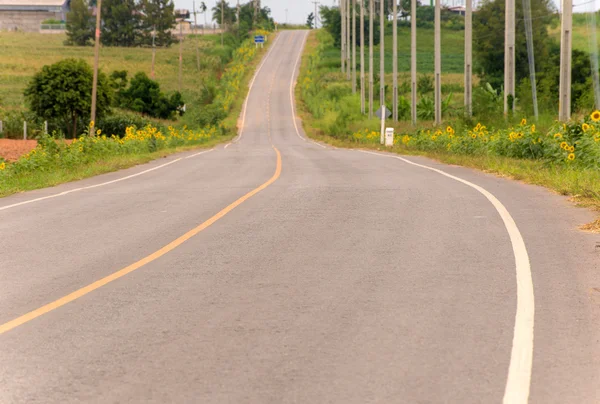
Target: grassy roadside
[[31, 179], [581, 184]]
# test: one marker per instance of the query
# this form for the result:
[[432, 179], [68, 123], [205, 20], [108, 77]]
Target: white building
[[28, 15]]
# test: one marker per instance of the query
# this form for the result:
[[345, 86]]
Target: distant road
[[278, 270]]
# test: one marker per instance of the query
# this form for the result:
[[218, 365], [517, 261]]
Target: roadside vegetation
[[563, 157], [138, 118]]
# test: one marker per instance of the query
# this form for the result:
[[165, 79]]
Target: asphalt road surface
[[278, 270]]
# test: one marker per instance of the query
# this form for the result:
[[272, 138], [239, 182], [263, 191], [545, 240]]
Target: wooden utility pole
[[509, 57], [395, 61], [343, 34], [438, 64], [469, 58], [371, 45], [382, 52], [413, 61], [353, 38], [566, 28], [348, 48], [362, 56], [96, 63]]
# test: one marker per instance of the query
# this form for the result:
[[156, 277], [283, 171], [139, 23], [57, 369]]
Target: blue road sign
[[259, 39]]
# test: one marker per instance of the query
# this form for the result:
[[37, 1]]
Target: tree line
[[124, 22]]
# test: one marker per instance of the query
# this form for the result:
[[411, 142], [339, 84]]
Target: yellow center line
[[152, 257]]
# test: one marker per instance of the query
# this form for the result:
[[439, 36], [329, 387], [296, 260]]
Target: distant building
[[28, 15]]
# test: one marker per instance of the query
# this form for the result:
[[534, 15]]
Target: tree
[[80, 24], [144, 96], [330, 17], [62, 93], [159, 15], [229, 13], [488, 48], [310, 20], [121, 23]]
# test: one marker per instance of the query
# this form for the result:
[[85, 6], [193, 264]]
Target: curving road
[[278, 270]]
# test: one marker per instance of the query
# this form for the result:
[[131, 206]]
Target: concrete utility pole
[[469, 58], [395, 61], [316, 3], [96, 63], [564, 107], [509, 57], [530, 55], [362, 56], [353, 46], [348, 48], [371, 45], [381, 52], [153, 52], [413, 61], [237, 14], [180, 53], [343, 35], [196, 33], [222, 22], [438, 64]]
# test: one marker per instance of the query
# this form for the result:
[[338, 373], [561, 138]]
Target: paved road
[[344, 277]]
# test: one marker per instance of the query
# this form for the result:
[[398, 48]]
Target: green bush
[[144, 96]]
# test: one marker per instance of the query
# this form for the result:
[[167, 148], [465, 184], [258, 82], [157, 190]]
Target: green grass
[[580, 183], [24, 54], [46, 178]]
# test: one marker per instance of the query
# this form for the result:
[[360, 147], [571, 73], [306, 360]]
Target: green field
[[24, 54]]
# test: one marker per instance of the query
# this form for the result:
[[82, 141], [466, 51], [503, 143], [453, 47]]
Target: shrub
[[144, 96]]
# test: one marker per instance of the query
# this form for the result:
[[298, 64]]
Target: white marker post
[[382, 137], [389, 137]]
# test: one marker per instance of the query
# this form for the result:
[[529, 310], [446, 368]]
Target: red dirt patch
[[11, 149]]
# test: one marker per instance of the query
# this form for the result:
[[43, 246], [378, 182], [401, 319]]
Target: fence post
[[45, 127], [1, 127], [24, 130]]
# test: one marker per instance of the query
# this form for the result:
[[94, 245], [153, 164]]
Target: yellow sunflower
[[595, 116], [449, 129], [564, 145], [474, 136], [532, 128], [571, 156], [523, 121], [572, 149], [585, 127], [558, 136]]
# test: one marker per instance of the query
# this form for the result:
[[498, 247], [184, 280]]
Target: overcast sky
[[298, 10]]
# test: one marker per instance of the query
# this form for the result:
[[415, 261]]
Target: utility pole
[[196, 34], [362, 56], [438, 64], [316, 13], [353, 46], [413, 61], [382, 52], [153, 52], [180, 53], [96, 63], [222, 22], [343, 35], [237, 14], [395, 61], [530, 55], [371, 79], [348, 48], [509, 57], [469, 58], [564, 107], [286, 16]]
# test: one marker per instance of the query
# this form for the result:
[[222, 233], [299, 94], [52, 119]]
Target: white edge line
[[14, 205], [292, 98], [519, 373], [250, 86], [227, 145]]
